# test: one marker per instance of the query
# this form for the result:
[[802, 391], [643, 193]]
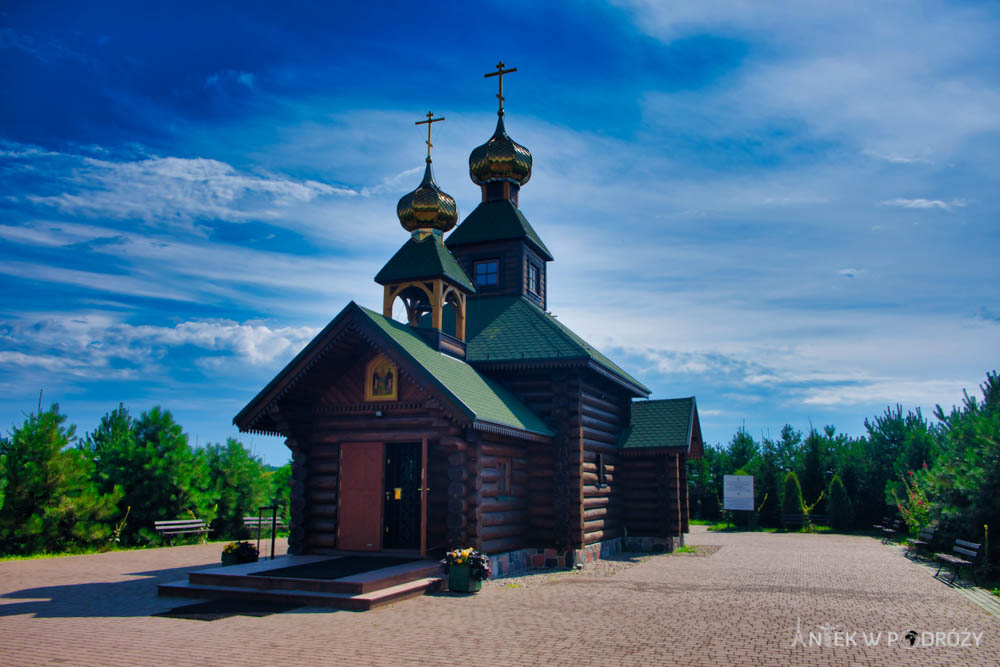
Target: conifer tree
[[50, 502], [791, 500], [841, 512]]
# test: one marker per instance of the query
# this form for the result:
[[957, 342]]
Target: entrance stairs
[[357, 592]]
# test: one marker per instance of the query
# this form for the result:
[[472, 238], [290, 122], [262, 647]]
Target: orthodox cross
[[499, 73], [430, 119]]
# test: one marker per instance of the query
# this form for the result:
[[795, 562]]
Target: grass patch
[[685, 550], [701, 522]]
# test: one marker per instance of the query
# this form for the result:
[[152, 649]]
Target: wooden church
[[481, 420]]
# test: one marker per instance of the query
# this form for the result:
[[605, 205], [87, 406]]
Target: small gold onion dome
[[500, 158], [427, 207]]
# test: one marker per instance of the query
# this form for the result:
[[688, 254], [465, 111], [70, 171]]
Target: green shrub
[[839, 506], [791, 501]]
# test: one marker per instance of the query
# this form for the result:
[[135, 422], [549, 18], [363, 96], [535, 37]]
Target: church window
[[487, 273], [503, 478], [532, 278]]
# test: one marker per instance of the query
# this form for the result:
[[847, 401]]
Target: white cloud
[[99, 344], [924, 203], [167, 191]]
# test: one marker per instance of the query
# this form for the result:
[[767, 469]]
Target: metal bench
[[180, 527], [963, 554], [922, 542], [885, 523], [889, 532]]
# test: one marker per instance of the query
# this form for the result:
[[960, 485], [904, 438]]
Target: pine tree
[[238, 485], [151, 460], [50, 502]]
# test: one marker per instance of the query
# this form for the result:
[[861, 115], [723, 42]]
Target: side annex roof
[[663, 424]]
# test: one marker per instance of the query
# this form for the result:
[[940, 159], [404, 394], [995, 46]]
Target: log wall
[[604, 413], [651, 506]]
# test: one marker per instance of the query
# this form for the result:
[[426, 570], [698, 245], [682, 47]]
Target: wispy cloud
[[95, 344], [924, 203], [164, 191]]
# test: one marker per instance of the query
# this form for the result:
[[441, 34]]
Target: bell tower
[[423, 273], [496, 245]]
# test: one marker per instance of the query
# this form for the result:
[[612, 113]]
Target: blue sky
[[786, 209]]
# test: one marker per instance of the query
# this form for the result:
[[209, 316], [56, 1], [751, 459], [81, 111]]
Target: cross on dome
[[428, 122], [499, 73]]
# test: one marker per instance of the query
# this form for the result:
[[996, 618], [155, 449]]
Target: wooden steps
[[357, 592]]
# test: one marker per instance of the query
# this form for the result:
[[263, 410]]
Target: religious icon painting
[[381, 380]]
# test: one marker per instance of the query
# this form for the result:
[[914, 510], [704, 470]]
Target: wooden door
[[360, 513]]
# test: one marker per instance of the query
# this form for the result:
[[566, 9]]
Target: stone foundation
[[513, 563], [656, 545]]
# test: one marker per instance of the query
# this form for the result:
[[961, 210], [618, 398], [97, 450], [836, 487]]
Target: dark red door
[[361, 490]]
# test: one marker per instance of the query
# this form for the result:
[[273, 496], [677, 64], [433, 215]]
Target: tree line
[[945, 471], [60, 492]]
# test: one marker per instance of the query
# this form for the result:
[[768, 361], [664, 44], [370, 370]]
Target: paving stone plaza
[[756, 599]]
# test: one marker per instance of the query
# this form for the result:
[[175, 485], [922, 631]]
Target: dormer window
[[533, 279], [487, 273]]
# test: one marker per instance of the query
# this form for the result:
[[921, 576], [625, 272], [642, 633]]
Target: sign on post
[[737, 492]]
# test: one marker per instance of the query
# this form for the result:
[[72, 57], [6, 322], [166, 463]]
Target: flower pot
[[230, 559], [460, 579]]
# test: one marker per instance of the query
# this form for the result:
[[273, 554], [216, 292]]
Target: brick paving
[[739, 606]]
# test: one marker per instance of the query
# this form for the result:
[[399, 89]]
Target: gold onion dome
[[500, 158], [427, 207]]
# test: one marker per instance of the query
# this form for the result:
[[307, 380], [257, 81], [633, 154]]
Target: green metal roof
[[658, 424], [514, 329], [485, 399], [423, 258], [496, 221]]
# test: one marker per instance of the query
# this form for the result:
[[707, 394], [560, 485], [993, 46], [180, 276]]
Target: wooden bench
[[799, 520], [885, 523], [890, 532], [963, 554], [922, 542], [256, 523], [180, 527]]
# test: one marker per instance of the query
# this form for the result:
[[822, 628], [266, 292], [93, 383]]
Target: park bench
[[885, 523], [889, 533], [963, 554], [799, 520], [255, 523], [180, 527], [922, 542]]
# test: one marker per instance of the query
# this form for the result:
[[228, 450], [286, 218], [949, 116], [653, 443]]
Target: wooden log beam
[[502, 518], [322, 496], [502, 544], [505, 530], [323, 510], [590, 502], [322, 540], [322, 482]]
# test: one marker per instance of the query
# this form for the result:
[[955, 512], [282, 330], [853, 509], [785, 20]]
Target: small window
[[532, 278], [602, 475], [503, 478], [487, 273]]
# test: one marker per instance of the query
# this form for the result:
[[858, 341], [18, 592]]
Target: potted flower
[[466, 569], [236, 553]]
